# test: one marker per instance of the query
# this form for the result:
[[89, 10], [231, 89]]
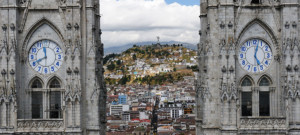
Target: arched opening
[[35, 28], [264, 82], [264, 96], [36, 84], [246, 96], [262, 27], [246, 82], [36, 99], [54, 84], [55, 98]]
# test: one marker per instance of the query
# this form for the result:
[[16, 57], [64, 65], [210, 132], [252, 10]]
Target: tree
[[111, 66], [108, 57], [119, 62], [195, 68], [134, 57], [125, 79]]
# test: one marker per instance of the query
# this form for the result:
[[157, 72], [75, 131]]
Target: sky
[[132, 21], [184, 2]]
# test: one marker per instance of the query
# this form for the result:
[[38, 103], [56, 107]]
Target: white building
[[118, 109]]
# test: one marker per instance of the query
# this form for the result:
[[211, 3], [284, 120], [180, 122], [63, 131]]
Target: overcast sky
[[132, 21]]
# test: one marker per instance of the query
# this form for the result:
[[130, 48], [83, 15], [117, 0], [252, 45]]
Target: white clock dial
[[45, 57], [255, 55]]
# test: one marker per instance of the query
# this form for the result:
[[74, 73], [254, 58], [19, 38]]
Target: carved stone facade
[[66, 97], [265, 98]]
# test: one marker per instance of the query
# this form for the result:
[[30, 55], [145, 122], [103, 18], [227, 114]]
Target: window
[[55, 104], [246, 104], [264, 104], [260, 97], [255, 1], [54, 84], [37, 105], [36, 84], [46, 104], [264, 82], [246, 82]]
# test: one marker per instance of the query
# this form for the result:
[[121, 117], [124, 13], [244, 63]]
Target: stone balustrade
[[259, 123], [40, 125]]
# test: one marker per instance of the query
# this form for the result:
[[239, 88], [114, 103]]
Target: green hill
[[154, 64]]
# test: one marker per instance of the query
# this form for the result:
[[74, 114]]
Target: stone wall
[[74, 26]]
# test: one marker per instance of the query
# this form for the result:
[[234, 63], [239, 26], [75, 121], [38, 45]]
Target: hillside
[[120, 49], [150, 64]]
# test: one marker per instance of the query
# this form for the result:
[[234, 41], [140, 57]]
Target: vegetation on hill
[[153, 64]]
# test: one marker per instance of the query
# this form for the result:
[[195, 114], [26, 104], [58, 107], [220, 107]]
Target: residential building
[[118, 109]]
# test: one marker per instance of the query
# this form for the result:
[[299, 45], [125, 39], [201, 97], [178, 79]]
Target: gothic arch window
[[258, 99], [246, 96], [37, 99], [264, 81], [46, 103], [54, 84], [246, 82], [264, 96], [36, 84], [55, 98]]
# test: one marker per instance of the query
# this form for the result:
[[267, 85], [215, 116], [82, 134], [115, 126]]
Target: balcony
[[263, 123]]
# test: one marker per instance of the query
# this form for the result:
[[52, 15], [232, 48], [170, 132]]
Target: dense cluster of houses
[[129, 108]]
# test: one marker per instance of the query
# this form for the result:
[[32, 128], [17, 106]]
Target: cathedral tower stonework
[[249, 58], [51, 78]]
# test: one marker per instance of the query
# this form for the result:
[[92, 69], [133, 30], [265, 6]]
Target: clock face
[[255, 55], [45, 57]]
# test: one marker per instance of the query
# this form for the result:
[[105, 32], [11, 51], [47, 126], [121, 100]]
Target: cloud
[[131, 21]]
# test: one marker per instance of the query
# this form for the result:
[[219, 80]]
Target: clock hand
[[257, 60], [39, 60], [44, 49], [255, 55]]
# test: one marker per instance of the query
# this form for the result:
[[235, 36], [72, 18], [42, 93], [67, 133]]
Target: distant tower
[[158, 42], [249, 67], [51, 78]]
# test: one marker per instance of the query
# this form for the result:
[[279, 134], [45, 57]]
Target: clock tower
[[51, 78], [249, 81]]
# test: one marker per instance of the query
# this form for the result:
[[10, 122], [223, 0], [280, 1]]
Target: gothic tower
[[249, 81], [51, 78]]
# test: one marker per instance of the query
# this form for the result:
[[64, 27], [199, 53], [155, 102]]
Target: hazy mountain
[[120, 49]]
